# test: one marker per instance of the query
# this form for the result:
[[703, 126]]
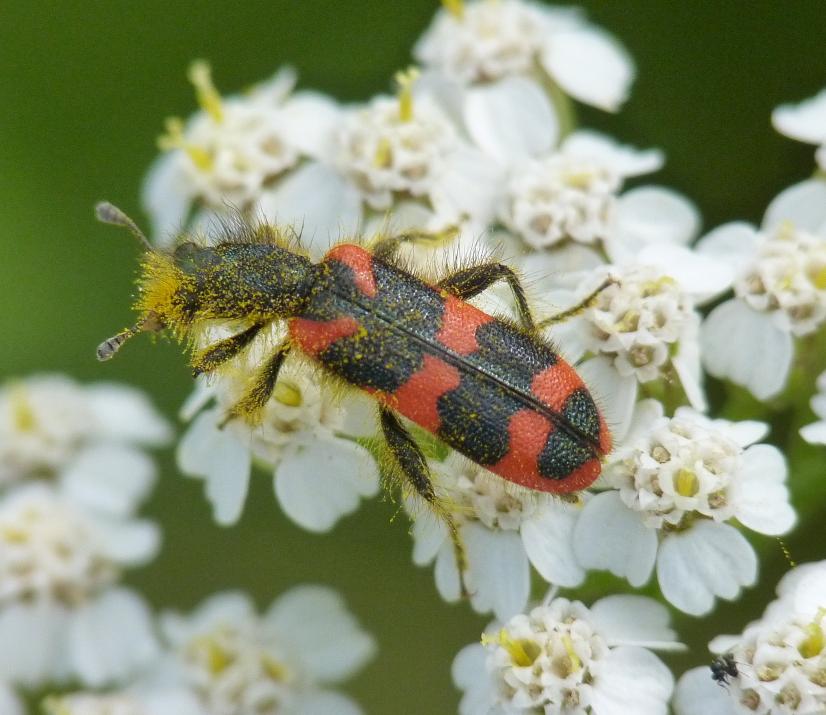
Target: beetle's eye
[[190, 257]]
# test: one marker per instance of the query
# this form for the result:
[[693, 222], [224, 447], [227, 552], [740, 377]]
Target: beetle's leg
[[413, 465], [468, 282], [583, 305], [260, 388], [387, 246], [208, 359]]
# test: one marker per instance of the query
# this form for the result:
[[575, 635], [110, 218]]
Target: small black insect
[[723, 667]]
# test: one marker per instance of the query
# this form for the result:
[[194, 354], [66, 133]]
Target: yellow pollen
[[22, 414], [579, 179], [200, 74], [629, 322], [819, 279], [287, 393], [217, 659], [174, 139], [785, 230], [687, 483], [522, 651], [653, 287], [455, 8], [274, 668], [815, 641], [576, 663], [405, 80], [384, 154]]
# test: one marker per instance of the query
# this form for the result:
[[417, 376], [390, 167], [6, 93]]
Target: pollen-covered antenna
[[109, 213]]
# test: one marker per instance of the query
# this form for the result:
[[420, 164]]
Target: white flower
[[571, 193], [805, 122], [643, 327], [131, 702], [815, 433], [477, 42], [565, 657], [234, 149], [780, 290], [47, 422], [780, 659], [240, 663], [320, 473], [505, 530], [408, 146], [62, 550], [678, 480]]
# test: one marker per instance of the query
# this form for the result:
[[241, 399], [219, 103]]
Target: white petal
[[697, 694], [125, 413], [359, 415], [511, 119], [805, 121], [733, 243], [311, 121], [446, 573], [470, 675], [614, 394], [803, 204], [625, 160], [9, 703], [760, 495], [626, 619], [499, 575], [686, 364], [315, 627], [610, 536], [111, 638], [650, 214], [746, 347], [200, 396], [217, 456], [111, 479], [704, 561], [814, 433], [318, 202], [548, 541], [469, 186], [129, 543], [167, 196], [429, 535], [591, 66], [697, 273], [33, 643], [319, 482], [631, 680], [646, 412], [322, 703], [222, 607], [746, 432]]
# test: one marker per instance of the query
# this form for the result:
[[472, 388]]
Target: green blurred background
[[84, 88]]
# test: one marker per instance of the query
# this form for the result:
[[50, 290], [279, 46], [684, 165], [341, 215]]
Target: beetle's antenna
[[110, 346], [109, 213]]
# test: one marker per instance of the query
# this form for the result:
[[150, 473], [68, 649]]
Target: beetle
[[492, 389]]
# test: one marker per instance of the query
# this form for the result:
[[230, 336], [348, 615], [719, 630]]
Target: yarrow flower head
[[49, 421], [565, 657], [237, 662], [504, 529], [306, 437], [474, 42], [133, 702], [678, 480], [779, 660], [780, 290], [62, 551]]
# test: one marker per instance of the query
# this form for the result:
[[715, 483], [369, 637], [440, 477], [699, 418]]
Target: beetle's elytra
[[492, 390]]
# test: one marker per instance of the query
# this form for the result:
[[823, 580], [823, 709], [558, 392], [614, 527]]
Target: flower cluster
[[478, 144]]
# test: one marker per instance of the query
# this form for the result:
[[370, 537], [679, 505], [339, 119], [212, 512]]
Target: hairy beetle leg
[[218, 353], [587, 302], [260, 389], [470, 282], [411, 461]]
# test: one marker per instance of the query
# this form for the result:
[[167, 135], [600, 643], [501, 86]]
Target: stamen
[[405, 80], [200, 74], [23, 416], [174, 139], [287, 393], [576, 663], [522, 651]]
